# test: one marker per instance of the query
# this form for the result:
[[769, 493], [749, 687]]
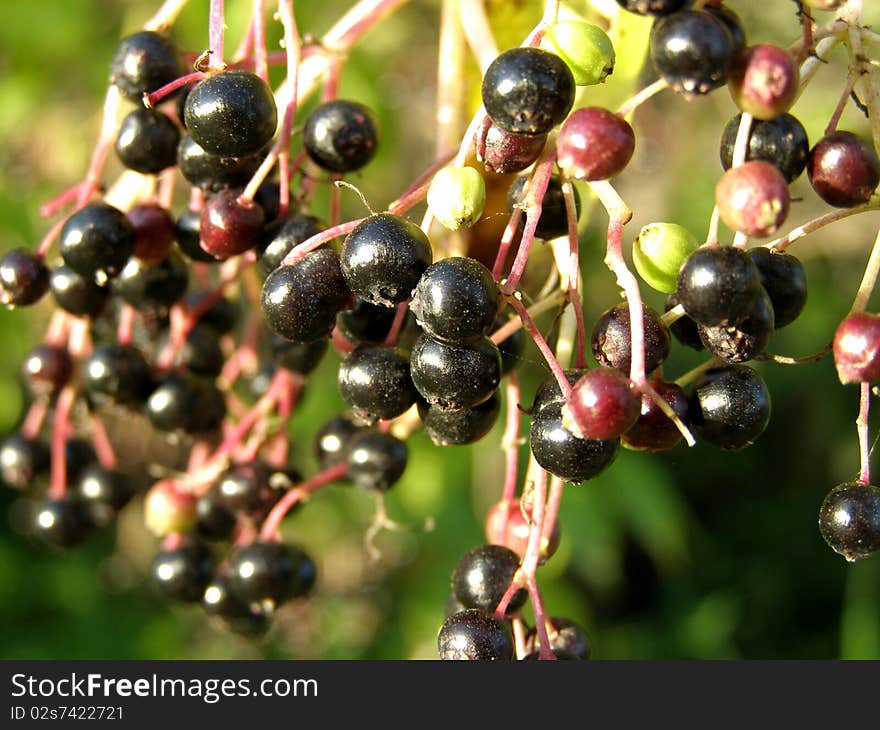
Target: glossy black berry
[[553, 221], [98, 238], [333, 439], [455, 376], [365, 322], [60, 523], [849, 520], [214, 521], [153, 286], [341, 135], [296, 229], [718, 285], [229, 225], [300, 302], [219, 599], [732, 22], [296, 356], [376, 460], [375, 382], [653, 430], [528, 90], [201, 353], [549, 392], [692, 50], [183, 573], [456, 300], [270, 572], [384, 257], [611, 340], [746, 339], [188, 231], [483, 575], [565, 636], [684, 329], [730, 407], [652, 7], [181, 402], [116, 374], [24, 278], [214, 172], [103, 492], [474, 635], [242, 487], [47, 369], [147, 141], [231, 114], [843, 170], [459, 426], [781, 141], [144, 62], [785, 281], [22, 460], [558, 451]]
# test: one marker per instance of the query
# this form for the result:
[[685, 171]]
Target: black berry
[[455, 376], [24, 278], [483, 575], [849, 520], [718, 285], [730, 407], [375, 382], [341, 135], [784, 280], [376, 460], [147, 141], [561, 453], [781, 141], [144, 62], [474, 635], [98, 238]]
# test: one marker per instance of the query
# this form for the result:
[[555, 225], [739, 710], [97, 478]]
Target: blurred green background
[[691, 554]]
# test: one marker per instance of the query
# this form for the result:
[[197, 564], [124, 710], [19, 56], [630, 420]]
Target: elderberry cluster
[[424, 332]]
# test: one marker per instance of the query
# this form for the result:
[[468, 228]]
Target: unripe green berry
[[456, 197], [584, 47], [167, 510], [660, 251]]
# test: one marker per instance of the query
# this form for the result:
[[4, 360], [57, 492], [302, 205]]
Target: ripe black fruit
[[270, 572], [475, 636], [376, 460], [341, 135], [214, 172], [746, 339], [24, 278], [455, 376], [558, 451], [483, 575], [612, 339], [781, 142], [117, 374], [21, 460], [147, 141], [182, 574], [783, 278], [730, 407], [849, 520], [718, 285], [97, 238], [458, 426], [375, 382], [153, 287], [144, 62]]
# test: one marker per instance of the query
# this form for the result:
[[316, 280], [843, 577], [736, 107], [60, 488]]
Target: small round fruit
[[47, 369], [230, 226], [333, 439], [151, 287], [24, 278], [654, 430], [77, 294], [383, 258], [604, 403], [300, 302], [753, 198], [293, 231], [167, 510], [561, 453], [502, 152], [746, 339], [553, 221], [104, 492], [611, 340], [270, 572], [528, 90], [296, 356], [483, 576], [455, 376], [183, 573], [652, 7], [684, 329], [566, 637], [214, 172], [473, 635], [154, 232], [376, 460], [843, 170], [60, 523], [147, 141], [117, 374], [366, 323], [213, 520], [456, 197], [231, 114], [585, 47], [144, 62], [375, 382], [22, 460], [660, 251], [849, 520], [341, 135], [456, 300], [692, 50], [97, 238], [856, 348], [781, 141], [594, 144], [718, 285], [730, 407], [549, 392], [459, 426], [764, 81], [784, 280], [506, 524]]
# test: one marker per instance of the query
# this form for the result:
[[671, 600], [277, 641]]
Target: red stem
[[862, 428], [153, 98], [509, 441], [60, 430], [574, 296], [101, 442], [535, 333], [216, 30], [257, 32], [269, 531], [397, 324]]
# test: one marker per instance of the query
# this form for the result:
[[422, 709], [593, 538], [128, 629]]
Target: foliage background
[[691, 554]]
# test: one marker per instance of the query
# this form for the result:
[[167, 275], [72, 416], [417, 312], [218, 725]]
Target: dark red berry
[[856, 348], [654, 430], [594, 144], [232, 114], [483, 575], [849, 520], [230, 226], [753, 198], [612, 339], [730, 407], [154, 232], [528, 90], [764, 81], [604, 403], [473, 635], [503, 152], [341, 135], [843, 170], [24, 278], [147, 141]]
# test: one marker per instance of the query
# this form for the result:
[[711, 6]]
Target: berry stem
[[269, 530], [166, 15], [397, 324], [101, 443], [691, 375], [712, 234], [510, 442], [150, 100], [33, 421], [862, 428], [450, 77], [357, 21], [478, 33], [60, 430], [513, 324], [573, 274], [640, 97], [47, 210], [535, 333], [673, 315], [869, 279], [504, 245], [109, 128], [781, 244], [125, 328], [258, 34], [216, 31], [519, 637], [851, 78]]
